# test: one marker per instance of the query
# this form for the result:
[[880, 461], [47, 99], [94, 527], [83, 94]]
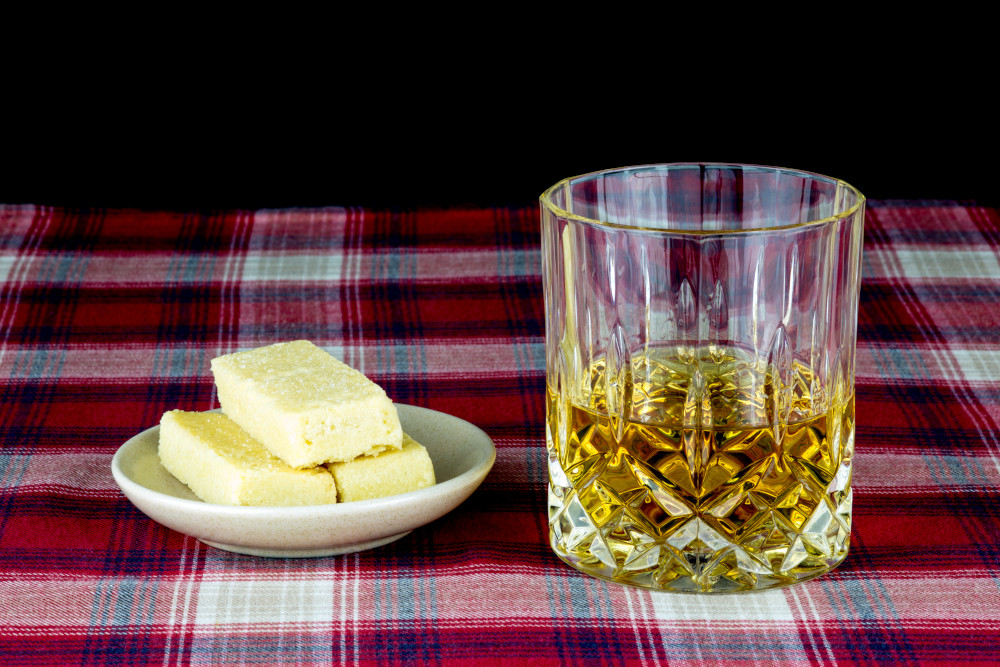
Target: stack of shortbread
[[300, 428]]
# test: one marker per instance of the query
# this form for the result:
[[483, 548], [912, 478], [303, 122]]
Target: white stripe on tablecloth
[[636, 605], [450, 358], [180, 603], [928, 363], [283, 601], [922, 264], [431, 266], [270, 264], [808, 611], [881, 474], [276, 265]]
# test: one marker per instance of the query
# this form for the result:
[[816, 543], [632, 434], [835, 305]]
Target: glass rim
[[546, 199]]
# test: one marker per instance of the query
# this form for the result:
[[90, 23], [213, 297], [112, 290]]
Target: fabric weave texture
[[108, 318]]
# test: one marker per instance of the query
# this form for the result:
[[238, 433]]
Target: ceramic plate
[[461, 453]]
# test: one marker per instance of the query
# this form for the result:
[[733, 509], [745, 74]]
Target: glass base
[[696, 573]]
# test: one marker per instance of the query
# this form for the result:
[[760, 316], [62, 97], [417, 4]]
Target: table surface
[[110, 317]]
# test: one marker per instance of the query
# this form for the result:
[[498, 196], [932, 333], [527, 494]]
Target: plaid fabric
[[110, 317]]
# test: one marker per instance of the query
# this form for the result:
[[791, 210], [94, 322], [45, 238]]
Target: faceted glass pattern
[[700, 334]]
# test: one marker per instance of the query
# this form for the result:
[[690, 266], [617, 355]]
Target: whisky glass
[[701, 322]]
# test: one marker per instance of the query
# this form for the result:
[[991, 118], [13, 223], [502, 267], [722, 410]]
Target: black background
[[477, 159], [448, 127]]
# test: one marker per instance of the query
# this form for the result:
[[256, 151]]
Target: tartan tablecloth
[[110, 317]]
